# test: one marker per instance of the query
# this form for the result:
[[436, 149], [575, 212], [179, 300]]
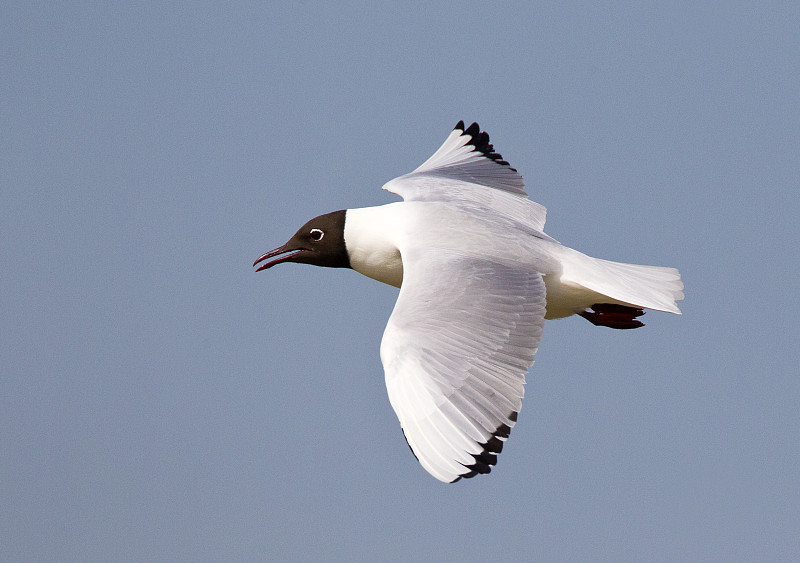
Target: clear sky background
[[160, 400]]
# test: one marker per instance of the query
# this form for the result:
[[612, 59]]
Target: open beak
[[292, 252]]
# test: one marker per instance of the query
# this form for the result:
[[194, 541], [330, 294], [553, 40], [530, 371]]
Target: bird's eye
[[316, 234]]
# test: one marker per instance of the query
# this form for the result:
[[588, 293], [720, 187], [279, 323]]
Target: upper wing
[[467, 155], [462, 336], [462, 170]]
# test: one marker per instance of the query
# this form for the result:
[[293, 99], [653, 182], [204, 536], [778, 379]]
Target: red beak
[[277, 252]]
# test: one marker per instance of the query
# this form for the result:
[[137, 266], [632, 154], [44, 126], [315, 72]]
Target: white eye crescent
[[316, 234]]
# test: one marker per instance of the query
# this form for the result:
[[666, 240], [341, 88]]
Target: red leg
[[613, 316]]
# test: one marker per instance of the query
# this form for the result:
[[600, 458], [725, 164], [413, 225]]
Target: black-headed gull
[[478, 277]]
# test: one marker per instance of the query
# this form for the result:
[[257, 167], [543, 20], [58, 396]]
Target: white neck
[[370, 235]]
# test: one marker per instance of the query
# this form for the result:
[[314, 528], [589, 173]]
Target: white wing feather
[[462, 336], [467, 155], [461, 170]]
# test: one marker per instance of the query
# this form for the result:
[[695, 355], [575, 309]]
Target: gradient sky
[[160, 400]]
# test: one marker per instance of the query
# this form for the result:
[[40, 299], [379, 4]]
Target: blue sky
[[161, 400]]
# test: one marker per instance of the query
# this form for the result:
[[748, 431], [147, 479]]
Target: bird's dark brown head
[[319, 242]]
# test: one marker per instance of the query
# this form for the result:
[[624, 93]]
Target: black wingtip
[[487, 458], [474, 130], [480, 142], [409, 444]]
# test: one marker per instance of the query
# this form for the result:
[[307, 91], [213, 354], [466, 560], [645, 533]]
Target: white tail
[[647, 287]]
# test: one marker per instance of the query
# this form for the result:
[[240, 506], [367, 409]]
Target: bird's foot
[[613, 316]]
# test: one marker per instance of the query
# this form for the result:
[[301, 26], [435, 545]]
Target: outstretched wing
[[467, 170], [462, 336]]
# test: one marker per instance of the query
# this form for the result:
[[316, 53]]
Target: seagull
[[478, 277]]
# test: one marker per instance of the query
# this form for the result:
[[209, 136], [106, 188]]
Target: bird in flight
[[478, 277]]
